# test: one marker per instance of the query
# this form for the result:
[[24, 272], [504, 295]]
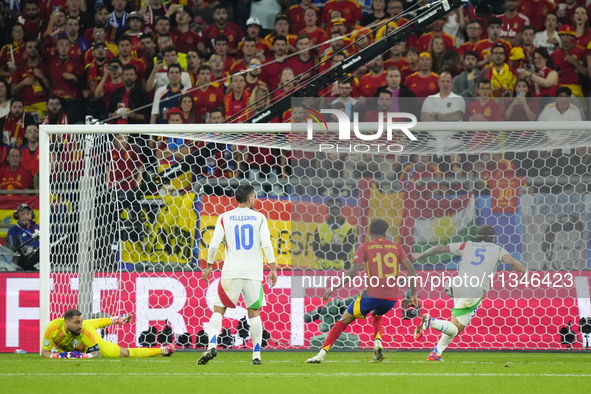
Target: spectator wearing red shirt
[[412, 58], [536, 11], [186, 38], [124, 46], [437, 31], [31, 81], [581, 25], [384, 106], [99, 38], [249, 51], [219, 77], [105, 89], [220, 47], [187, 105], [305, 60], [297, 14], [483, 47], [282, 28], [162, 29], [15, 176], [14, 124], [206, 96], [253, 28], [55, 112], [544, 80], [237, 99], [13, 55], [424, 82], [30, 152], [483, 110], [523, 107], [32, 21], [151, 11], [272, 71], [222, 26], [474, 31], [570, 60], [124, 170], [565, 10], [95, 70], [375, 79], [316, 34], [396, 57], [513, 22], [136, 26], [350, 10], [78, 45], [253, 77], [67, 74], [101, 18]]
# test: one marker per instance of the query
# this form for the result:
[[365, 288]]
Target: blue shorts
[[365, 303]]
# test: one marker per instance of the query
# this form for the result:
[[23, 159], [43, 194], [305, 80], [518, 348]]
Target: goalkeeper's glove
[[74, 354]]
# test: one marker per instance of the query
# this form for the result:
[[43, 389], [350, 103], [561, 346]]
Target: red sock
[[333, 335], [377, 327]]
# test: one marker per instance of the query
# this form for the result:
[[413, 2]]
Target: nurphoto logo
[[392, 123]]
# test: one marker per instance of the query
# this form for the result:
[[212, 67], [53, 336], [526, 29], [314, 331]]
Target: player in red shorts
[[382, 259]]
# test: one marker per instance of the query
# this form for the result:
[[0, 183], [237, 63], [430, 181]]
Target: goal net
[[131, 212]]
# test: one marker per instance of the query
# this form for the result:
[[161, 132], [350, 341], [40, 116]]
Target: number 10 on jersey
[[244, 234]]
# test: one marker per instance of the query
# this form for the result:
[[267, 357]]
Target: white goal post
[[251, 135]]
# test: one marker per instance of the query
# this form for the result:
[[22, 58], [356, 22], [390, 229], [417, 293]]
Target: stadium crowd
[[136, 62]]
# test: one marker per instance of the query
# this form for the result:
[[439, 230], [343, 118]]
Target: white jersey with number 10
[[246, 233]]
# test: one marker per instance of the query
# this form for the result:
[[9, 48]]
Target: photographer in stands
[[24, 230]]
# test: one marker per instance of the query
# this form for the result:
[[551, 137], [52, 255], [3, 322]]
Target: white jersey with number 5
[[479, 260], [246, 233]]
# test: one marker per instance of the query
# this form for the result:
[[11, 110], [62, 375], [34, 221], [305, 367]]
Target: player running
[[73, 337], [245, 231], [381, 258], [480, 258]]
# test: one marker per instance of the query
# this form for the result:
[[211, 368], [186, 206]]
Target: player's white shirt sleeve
[[266, 243], [502, 253], [216, 240], [454, 248]]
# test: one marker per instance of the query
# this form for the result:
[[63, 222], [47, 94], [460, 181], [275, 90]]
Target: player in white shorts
[[479, 258], [245, 232]]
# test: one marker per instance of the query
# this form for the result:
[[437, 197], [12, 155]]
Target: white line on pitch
[[301, 374]]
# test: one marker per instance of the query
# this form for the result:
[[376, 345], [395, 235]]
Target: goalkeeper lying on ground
[[74, 337]]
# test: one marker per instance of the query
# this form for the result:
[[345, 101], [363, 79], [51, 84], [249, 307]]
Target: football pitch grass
[[286, 372]]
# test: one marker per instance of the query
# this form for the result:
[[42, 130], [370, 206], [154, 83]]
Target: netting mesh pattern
[[131, 218]]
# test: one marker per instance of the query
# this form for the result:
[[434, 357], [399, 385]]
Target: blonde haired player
[[246, 232], [479, 258], [74, 337]]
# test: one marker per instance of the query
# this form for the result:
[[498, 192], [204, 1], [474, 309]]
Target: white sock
[[256, 334], [443, 344], [215, 327], [444, 326]]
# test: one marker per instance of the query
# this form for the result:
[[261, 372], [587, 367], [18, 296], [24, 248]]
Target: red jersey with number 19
[[382, 259]]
